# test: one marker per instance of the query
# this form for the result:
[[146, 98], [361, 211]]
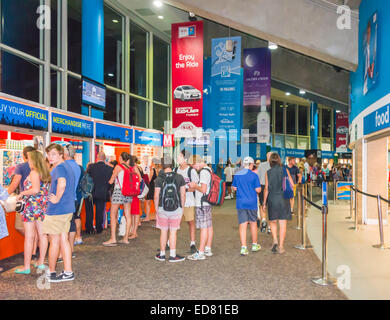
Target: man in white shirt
[[203, 215], [190, 175], [229, 170]]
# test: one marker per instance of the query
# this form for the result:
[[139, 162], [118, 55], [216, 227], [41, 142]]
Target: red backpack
[[131, 184], [216, 195]]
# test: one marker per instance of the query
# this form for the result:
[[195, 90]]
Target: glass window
[[302, 120], [326, 145], [303, 143], [279, 141], [290, 118], [54, 32], [74, 95], [279, 117], [291, 142], [160, 70], [326, 124], [113, 23], [19, 25], [19, 77], [160, 115], [138, 39], [54, 76], [137, 112], [74, 35], [114, 103]]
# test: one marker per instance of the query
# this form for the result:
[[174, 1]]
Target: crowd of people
[[53, 190]]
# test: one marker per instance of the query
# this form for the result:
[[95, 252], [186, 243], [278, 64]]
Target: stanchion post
[[303, 245], [382, 244], [311, 190], [300, 196], [323, 280], [334, 191], [350, 204], [355, 227]]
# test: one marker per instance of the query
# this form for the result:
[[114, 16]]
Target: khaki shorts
[[57, 224], [189, 214]]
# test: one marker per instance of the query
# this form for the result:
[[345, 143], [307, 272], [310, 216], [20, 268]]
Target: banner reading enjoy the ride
[[187, 78]]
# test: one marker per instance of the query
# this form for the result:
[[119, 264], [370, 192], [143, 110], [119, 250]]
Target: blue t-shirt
[[66, 204], [77, 172], [22, 169], [246, 183]]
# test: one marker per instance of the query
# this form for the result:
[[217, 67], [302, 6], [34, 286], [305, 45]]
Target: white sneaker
[[197, 256], [208, 253], [228, 198]]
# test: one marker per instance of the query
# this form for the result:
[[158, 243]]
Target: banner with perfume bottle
[[226, 81], [257, 94]]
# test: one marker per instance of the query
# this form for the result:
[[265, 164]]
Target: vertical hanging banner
[[225, 98], [187, 78], [257, 94], [342, 128]]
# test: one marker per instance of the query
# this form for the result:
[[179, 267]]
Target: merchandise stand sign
[[187, 78], [343, 190], [72, 126], [18, 114], [148, 138]]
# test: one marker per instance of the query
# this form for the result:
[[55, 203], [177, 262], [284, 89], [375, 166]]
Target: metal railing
[[354, 192]]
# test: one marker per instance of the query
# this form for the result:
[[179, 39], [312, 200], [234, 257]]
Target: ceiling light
[[338, 111], [160, 17], [272, 45], [158, 4], [115, 21], [110, 75], [288, 94], [302, 91]]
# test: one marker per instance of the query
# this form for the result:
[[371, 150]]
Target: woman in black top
[[278, 206], [150, 196]]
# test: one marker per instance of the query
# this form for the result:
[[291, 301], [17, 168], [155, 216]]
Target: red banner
[[187, 78], [342, 129]]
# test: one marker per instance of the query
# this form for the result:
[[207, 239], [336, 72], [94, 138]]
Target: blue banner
[[114, 133], [148, 138], [20, 115], [377, 120], [71, 126], [344, 190], [328, 154], [226, 78]]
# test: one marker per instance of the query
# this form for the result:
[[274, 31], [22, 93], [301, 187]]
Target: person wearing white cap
[[247, 185]]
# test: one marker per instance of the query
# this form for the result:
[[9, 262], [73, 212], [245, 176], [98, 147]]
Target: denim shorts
[[246, 215]]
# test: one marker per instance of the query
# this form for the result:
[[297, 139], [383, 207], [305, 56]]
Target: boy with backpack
[[169, 199], [203, 208], [190, 175]]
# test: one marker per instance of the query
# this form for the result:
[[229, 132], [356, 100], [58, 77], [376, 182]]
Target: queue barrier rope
[[379, 198]]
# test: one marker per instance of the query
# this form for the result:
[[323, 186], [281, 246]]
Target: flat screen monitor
[[93, 93]]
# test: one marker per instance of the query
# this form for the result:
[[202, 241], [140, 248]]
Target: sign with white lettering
[[377, 120], [114, 133], [71, 126], [17, 114], [169, 140]]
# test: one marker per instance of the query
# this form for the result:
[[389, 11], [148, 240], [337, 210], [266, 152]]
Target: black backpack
[[170, 198]]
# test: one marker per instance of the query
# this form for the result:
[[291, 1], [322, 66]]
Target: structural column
[[313, 125], [92, 53]]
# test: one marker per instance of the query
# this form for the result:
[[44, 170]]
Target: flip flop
[[111, 244], [123, 242], [19, 271], [131, 238]]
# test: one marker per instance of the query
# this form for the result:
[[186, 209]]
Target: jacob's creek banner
[[342, 129], [113, 133], [187, 77], [226, 80], [71, 126], [257, 83], [18, 114]]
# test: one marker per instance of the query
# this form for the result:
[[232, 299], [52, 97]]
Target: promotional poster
[[370, 44], [226, 79], [342, 129], [257, 93], [187, 78]]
